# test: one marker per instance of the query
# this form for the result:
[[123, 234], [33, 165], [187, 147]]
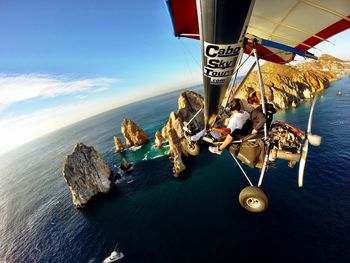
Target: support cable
[[246, 176]]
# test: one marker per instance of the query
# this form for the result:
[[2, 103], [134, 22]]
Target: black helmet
[[235, 105]]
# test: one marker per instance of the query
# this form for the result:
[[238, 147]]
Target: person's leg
[[228, 140], [219, 149]]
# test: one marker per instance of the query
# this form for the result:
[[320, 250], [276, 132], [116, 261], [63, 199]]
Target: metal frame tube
[[234, 77], [262, 89], [246, 176], [188, 35], [239, 66], [194, 116], [242, 82], [264, 169], [262, 92]]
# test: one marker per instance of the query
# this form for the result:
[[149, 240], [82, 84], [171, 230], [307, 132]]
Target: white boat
[[114, 256]]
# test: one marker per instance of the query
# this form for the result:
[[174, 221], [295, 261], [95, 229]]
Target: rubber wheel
[[253, 199], [192, 148]]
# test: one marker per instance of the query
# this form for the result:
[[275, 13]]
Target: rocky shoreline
[[286, 86]]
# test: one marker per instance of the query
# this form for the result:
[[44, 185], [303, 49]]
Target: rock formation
[[134, 135], [189, 104], [158, 139], [124, 165], [86, 174], [286, 86], [118, 144]]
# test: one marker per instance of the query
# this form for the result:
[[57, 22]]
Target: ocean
[[156, 218]]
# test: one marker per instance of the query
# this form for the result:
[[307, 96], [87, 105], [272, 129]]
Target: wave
[[157, 156], [114, 149], [135, 148], [155, 152]]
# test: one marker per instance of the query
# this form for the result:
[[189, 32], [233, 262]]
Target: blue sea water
[[158, 218]]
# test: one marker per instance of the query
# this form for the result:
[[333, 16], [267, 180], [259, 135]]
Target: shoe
[[214, 149]]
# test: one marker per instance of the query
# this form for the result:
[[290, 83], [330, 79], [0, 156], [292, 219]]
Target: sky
[[63, 61]]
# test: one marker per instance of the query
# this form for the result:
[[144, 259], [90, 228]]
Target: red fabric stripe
[[337, 27], [185, 17]]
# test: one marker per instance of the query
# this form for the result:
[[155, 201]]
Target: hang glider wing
[[300, 24]]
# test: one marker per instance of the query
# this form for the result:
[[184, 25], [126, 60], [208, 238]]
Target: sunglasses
[[253, 100]]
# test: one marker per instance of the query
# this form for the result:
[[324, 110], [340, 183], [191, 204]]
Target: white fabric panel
[[257, 22], [274, 10], [310, 19], [294, 37], [340, 6], [291, 22]]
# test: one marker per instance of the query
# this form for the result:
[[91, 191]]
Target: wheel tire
[[253, 199], [192, 148]]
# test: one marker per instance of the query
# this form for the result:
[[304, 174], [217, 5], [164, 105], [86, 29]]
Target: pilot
[[239, 126]]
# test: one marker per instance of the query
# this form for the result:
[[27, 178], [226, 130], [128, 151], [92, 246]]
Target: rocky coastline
[[286, 86]]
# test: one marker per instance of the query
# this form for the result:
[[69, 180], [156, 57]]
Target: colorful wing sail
[[278, 30], [301, 24]]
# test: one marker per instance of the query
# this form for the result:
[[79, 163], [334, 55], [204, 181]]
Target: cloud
[[19, 129], [20, 124], [17, 88], [81, 97], [101, 89]]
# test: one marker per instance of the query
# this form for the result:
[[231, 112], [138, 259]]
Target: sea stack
[[134, 135], [158, 139], [118, 144], [86, 174], [124, 165], [189, 103]]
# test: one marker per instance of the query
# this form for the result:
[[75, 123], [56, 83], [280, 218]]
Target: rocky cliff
[[86, 174], [286, 86], [188, 104], [134, 135]]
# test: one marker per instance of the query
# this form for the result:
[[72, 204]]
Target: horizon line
[[108, 109]]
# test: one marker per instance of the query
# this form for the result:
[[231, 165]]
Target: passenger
[[238, 125], [257, 117]]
